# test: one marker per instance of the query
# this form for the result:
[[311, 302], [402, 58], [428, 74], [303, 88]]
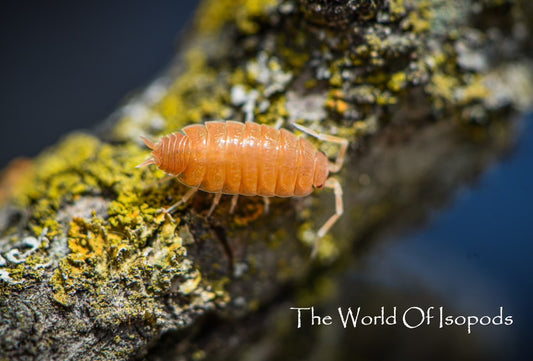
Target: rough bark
[[424, 90]]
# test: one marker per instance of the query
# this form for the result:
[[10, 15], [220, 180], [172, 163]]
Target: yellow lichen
[[337, 105], [420, 20], [442, 86], [474, 91], [397, 81], [214, 14], [397, 8]]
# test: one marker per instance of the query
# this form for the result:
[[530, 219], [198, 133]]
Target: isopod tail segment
[[332, 183]]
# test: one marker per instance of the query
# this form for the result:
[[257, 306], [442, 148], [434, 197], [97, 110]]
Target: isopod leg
[[158, 183], [185, 198], [166, 178], [215, 203], [333, 167], [266, 200], [339, 209], [233, 203]]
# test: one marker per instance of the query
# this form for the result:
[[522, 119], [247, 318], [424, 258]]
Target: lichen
[[131, 243], [358, 79], [245, 14]]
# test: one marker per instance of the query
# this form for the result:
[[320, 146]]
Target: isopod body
[[247, 159], [241, 158]]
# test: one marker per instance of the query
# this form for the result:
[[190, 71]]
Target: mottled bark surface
[[91, 269]]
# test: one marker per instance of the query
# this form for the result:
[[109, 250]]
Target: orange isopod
[[247, 159]]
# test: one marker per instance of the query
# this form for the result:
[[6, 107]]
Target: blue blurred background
[[472, 258], [67, 65]]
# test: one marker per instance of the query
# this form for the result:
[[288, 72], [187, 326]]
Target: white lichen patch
[[308, 107], [267, 71], [4, 276], [470, 58], [19, 254], [240, 269], [138, 117], [510, 84], [24, 249], [16, 256], [238, 95], [246, 100], [85, 207], [191, 284]]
